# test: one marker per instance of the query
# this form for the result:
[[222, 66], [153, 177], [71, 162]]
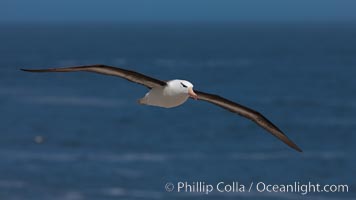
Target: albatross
[[175, 92]]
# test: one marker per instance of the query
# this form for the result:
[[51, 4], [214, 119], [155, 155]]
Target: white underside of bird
[[175, 93]]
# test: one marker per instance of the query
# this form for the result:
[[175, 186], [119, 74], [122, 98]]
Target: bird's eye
[[183, 84]]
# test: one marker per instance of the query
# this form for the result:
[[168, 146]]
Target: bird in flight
[[175, 92]]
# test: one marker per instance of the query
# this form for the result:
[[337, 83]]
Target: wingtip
[[299, 150], [33, 70], [295, 147], [289, 142], [28, 70]]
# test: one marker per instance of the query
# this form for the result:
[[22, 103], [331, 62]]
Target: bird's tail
[[142, 101]]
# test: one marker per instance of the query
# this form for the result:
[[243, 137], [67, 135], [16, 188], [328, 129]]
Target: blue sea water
[[100, 144]]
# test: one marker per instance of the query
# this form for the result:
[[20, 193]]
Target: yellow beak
[[192, 93]]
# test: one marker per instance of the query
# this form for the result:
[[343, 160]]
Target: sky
[[176, 10]]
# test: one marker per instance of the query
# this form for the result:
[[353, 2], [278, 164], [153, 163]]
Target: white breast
[[165, 97]]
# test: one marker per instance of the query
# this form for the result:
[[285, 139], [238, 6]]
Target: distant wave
[[121, 192], [12, 184], [129, 157], [69, 195], [285, 155], [114, 191], [160, 157], [70, 157], [13, 91], [29, 96], [75, 101]]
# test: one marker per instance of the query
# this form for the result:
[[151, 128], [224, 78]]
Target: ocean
[[76, 136]]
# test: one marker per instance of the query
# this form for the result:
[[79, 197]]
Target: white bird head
[[183, 86]]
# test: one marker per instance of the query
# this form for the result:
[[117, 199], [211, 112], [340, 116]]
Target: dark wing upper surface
[[108, 70], [248, 113]]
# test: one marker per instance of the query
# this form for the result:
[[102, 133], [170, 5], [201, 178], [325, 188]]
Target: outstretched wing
[[108, 70], [248, 113]]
